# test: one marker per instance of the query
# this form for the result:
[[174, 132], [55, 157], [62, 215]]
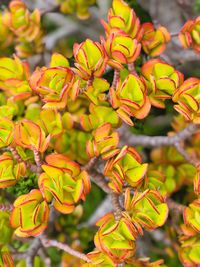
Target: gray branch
[[153, 141], [32, 251]]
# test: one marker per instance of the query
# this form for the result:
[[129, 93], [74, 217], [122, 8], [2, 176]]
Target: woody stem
[[37, 157], [116, 206], [53, 243], [174, 34], [6, 207], [15, 154], [115, 78], [131, 68]]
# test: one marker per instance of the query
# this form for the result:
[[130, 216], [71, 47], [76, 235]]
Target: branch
[[174, 34], [103, 208], [43, 254], [53, 8], [15, 154], [185, 154], [115, 78], [6, 207], [91, 163], [19, 255], [152, 141], [99, 179], [175, 206], [131, 68], [37, 158], [53, 243], [32, 251], [176, 210], [116, 206], [32, 167], [89, 83]]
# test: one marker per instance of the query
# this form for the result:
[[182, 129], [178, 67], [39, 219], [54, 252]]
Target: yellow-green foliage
[[64, 126]]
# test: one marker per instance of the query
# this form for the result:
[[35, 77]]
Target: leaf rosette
[[30, 214], [130, 99], [28, 134], [121, 49], [189, 251], [10, 172], [64, 182], [96, 92], [6, 36], [191, 215], [189, 35], [14, 75], [55, 85], [125, 168], [90, 59], [188, 101], [21, 22], [51, 122], [26, 27], [122, 18], [115, 238], [80, 7], [154, 40], [161, 80], [104, 142], [147, 209]]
